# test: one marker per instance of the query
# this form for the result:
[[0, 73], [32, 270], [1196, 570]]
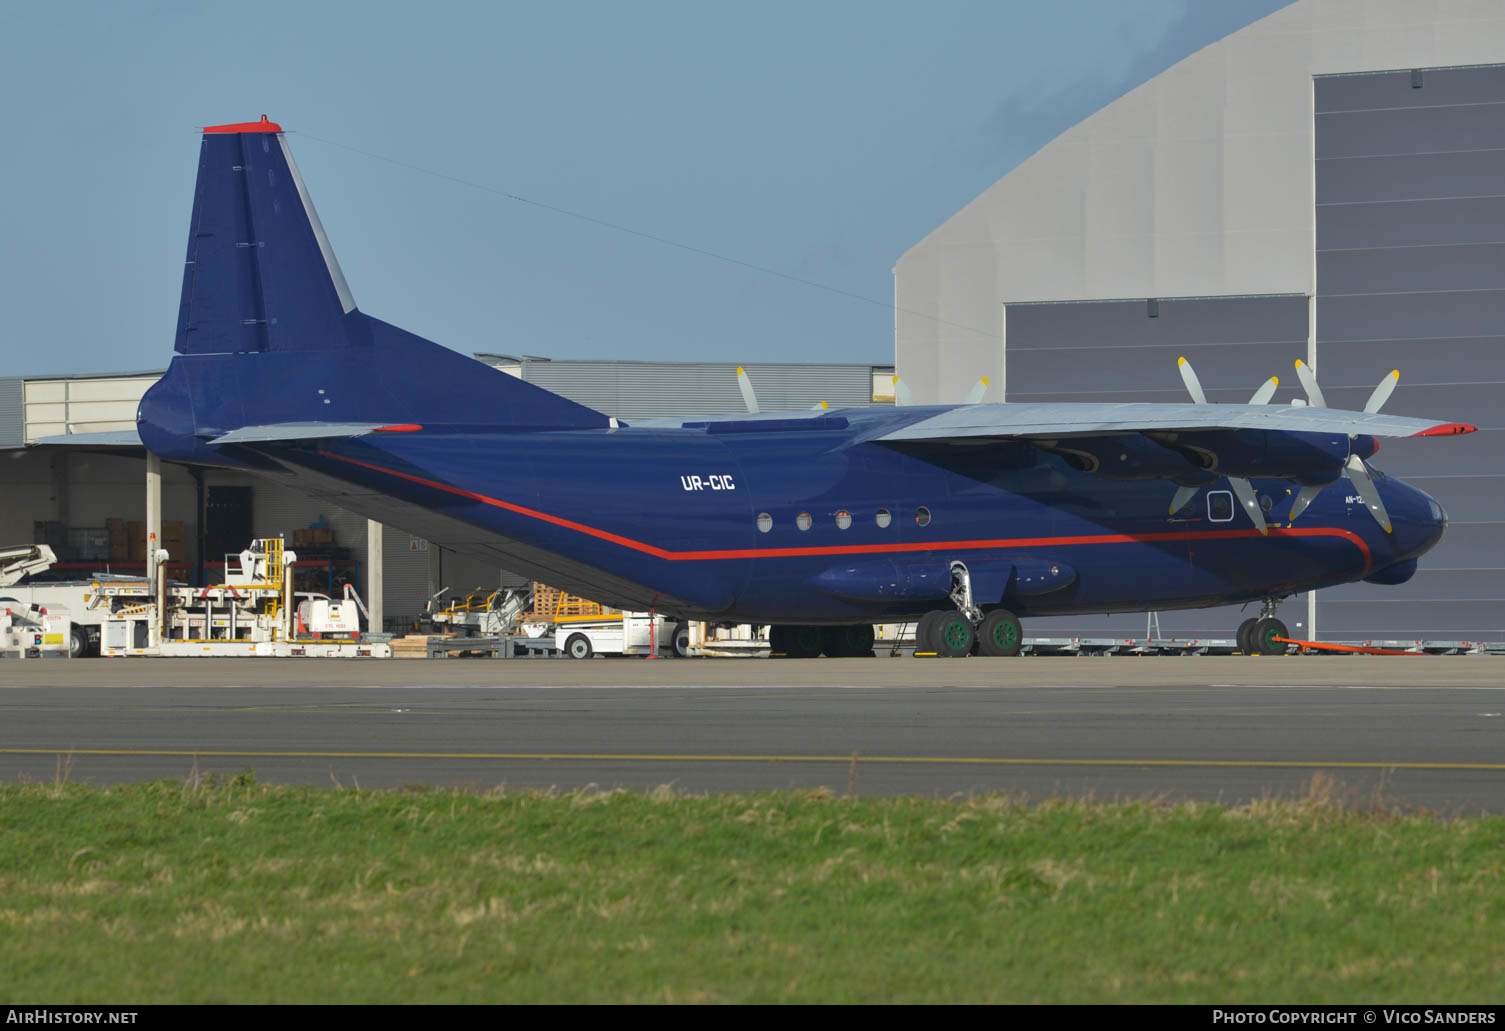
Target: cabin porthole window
[[843, 519], [765, 522], [802, 520], [922, 516], [1219, 506], [884, 518]]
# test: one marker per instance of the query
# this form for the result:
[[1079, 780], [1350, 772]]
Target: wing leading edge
[[1096, 419]]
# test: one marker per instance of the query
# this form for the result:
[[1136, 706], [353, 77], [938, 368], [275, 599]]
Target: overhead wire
[[653, 237]]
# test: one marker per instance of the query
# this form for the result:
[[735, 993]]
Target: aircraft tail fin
[[268, 331], [260, 274]]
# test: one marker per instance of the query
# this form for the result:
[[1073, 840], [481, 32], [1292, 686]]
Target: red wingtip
[[262, 126], [401, 427], [1447, 429]]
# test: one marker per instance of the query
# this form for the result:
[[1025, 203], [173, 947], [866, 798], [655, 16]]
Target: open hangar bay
[[1422, 731]]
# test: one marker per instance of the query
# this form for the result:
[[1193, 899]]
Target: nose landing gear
[[1257, 636]]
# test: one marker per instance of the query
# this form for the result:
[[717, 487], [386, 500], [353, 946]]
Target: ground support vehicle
[[34, 631], [253, 611]]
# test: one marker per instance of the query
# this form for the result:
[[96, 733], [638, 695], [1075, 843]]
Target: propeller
[[745, 385], [903, 397], [975, 395], [1382, 392], [1193, 385], [1244, 491], [1182, 496], [1304, 497], [1308, 379], [1359, 477], [1242, 488], [1354, 469], [1265, 392]]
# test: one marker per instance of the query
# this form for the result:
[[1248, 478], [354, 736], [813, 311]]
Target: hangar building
[[1327, 183], [69, 496]]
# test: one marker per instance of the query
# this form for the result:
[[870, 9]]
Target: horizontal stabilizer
[[296, 431], [102, 438]]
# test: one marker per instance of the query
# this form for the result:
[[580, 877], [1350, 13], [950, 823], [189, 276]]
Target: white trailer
[[623, 633]]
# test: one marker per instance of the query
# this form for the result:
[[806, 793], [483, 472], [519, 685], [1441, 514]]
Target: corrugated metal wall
[[649, 390], [1410, 173], [12, 418], [1114, 351]]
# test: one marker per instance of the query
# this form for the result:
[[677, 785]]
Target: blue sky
[[818, 139]]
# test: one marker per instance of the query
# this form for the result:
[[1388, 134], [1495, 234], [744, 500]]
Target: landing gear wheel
[[924, 636], [805, 642], [849, 641], [578, 647], [1000, 634], [1264, 634], [78, 642], [1245, 636], [778, 641], [953, 635]]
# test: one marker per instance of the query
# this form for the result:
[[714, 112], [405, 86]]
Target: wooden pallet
[[550, 603]]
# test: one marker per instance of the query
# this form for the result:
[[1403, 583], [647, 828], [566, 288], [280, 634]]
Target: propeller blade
[[1193, 385], [1304, 497], [902, 395], [745, 385], [974, 396], [1265, 392], [1182, 496], [1382, 392], [820, 407], [1309, 384], [1244, 491], [1359, 477]]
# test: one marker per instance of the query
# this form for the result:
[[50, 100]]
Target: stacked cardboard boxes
[[172, 540], [313, 538], [120, 540]]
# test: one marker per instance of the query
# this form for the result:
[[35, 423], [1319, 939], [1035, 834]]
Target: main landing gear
[[1257, 636], [806, 642], [965, 630], [962, 630]]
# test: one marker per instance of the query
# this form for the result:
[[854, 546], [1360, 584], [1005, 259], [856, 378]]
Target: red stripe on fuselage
[[867, 549]]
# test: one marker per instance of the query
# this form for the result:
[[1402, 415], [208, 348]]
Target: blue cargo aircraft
[[820, 523]]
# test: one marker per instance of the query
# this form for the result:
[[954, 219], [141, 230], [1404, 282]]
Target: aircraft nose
[[1439, 518], [1419, 520]]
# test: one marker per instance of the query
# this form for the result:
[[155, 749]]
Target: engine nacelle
[[1310, 459], [1129, 456]]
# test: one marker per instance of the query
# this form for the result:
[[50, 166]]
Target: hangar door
[[1126, 350], [1410, 178]]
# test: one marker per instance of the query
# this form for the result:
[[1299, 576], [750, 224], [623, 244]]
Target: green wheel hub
[[956, 634], [1005, 634]]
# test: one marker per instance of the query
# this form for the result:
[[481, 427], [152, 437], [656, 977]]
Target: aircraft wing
[[1084, 420]]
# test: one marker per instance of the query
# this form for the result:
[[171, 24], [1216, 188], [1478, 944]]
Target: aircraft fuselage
[[782, 526]]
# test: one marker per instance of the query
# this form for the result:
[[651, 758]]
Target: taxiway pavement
[[1425, 731]]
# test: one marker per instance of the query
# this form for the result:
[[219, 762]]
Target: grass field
[[242, 892]]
